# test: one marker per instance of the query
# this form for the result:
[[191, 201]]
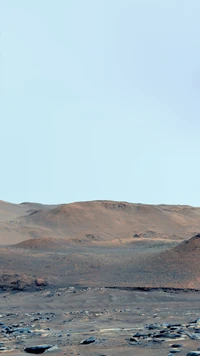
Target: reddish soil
[[99, 243]]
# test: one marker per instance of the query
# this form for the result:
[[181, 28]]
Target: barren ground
[[101, 269]]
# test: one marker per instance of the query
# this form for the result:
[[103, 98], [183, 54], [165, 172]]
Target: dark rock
[[140, 335], [137, 235], [8, 330], [152, 326], [157, 340], [194, 336], [157, 336], [174, 326], [132, 339], [134, 343], [166, 335], [173, 336], [39, 349], [22, 331], [90, 340], [41, 282], [174, 351]]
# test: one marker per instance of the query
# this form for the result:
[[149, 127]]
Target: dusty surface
[[99, 243], [67, 316], [60, 261]]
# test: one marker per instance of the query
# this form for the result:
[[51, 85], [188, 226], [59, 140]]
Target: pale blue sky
[[100, 99]]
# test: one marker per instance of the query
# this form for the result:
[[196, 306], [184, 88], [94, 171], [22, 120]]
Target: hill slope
[[100, 243], [108, 221]]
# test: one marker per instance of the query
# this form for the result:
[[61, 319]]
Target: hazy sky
[[100, 99]]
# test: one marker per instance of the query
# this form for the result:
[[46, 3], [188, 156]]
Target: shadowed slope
[[133, 266], [180, 265], [191, 245]]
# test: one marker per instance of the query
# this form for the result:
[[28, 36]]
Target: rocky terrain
[[99, 278], [100, 321]]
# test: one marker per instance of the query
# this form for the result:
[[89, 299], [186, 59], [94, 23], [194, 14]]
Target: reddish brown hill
[[97, 222], [107, 220], [101, 243]]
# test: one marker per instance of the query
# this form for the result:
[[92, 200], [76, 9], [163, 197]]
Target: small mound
[[47, 244], [179, 266], [192, 244]]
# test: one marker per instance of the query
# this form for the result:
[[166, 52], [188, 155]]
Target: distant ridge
[[118, 220]]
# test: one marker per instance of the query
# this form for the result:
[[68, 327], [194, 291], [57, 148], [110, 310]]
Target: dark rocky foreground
[[100, 321]]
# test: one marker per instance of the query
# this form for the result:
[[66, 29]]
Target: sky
[[100, 100]]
